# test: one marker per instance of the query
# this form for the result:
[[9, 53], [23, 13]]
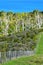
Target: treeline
[[18, 30], [16, 22]]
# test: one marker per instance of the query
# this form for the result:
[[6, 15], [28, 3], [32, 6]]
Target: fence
[[14, 54]]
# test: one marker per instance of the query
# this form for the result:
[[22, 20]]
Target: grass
[[40, 45], [37, 59], [32, 60]]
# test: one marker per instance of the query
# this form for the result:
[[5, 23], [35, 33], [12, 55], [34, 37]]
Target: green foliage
[[18, 31]]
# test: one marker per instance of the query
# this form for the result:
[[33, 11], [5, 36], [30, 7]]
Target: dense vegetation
[[36, 59], [18, 31]]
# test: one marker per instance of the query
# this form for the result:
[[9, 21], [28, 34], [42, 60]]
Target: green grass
[[40, 45], [32, 60], [37, 59]]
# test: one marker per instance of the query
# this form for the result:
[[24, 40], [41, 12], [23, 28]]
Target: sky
[[21, 5]]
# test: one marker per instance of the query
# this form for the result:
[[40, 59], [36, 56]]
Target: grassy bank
[[40, 45], [32, 60]]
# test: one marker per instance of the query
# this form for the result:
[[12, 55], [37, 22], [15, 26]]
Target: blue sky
[[21, 5]]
